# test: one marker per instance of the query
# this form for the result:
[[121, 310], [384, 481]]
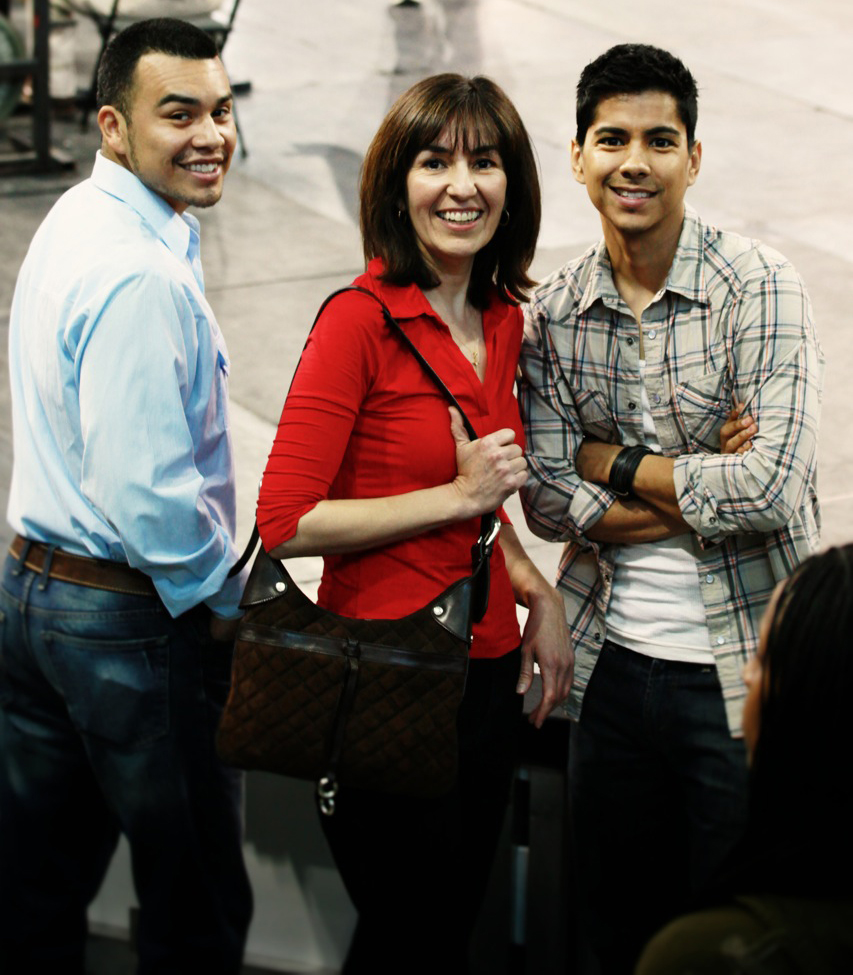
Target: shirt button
[[657, 398], [712, 520], [597, 636], [720, 641], [632, 406], [651, 333], [630, 341], [709, 579]]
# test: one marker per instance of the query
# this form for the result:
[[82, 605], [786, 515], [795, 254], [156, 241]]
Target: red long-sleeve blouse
[[363, 420]]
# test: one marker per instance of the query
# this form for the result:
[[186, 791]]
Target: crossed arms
[[774, 370]]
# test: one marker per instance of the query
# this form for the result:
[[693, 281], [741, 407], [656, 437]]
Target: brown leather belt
[[82, 571]]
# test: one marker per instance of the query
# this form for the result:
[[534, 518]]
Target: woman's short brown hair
[[477, 111]]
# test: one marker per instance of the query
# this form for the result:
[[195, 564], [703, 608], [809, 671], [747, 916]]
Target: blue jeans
[[108, 709], [659, 797]]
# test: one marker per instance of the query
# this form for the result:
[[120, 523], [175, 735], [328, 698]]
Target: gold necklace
[[470, 350], [473, 354]]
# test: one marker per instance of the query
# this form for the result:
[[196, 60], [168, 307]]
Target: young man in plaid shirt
[[671, 383]]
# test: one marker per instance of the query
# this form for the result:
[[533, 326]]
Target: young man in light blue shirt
[[118, 613]]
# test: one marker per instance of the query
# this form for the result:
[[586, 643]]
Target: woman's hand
[[546, 639], [489, 469], [737, 432]]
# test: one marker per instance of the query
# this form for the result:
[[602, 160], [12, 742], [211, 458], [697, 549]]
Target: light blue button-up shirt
[[119, 393]]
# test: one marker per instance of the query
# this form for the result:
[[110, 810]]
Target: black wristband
[[623, 469]]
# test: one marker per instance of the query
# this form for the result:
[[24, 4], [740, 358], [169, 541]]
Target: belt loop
[[45, 572], [22, 558]]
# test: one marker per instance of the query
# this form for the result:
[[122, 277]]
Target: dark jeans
[[108, 708], [417, 869], [659, 794]]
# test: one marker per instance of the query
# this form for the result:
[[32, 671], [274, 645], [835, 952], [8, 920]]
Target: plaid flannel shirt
[[732, 323]]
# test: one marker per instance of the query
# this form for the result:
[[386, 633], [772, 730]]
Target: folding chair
[[111, 16]]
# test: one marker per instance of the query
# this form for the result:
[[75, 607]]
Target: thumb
[[525, 676], [457, 427]]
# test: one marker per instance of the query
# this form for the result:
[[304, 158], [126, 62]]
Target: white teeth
[[456, 216], [634, 194], [202, 167]]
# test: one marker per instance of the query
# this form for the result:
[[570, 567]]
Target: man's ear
[[694, 162], [113, 126], [577, 162]]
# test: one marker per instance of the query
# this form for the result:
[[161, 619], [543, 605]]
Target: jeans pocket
[[114, 689]]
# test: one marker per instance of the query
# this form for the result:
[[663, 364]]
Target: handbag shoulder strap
[[489, 523], [394, 325]]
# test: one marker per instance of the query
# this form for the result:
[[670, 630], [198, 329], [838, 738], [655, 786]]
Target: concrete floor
[[775, 119]]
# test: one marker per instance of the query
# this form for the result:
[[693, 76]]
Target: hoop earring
[[401, 214], [504, 220]]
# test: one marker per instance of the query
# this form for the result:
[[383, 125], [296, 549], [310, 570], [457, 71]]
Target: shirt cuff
[[698, 505], [226, 603], [589, 504]]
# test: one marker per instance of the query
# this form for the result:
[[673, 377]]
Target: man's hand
[[546, 640], [737, 432], [222, 630]]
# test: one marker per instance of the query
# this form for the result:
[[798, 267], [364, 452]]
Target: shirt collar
[[600, 285], [686, 275], [174, 229], [403, 301], [408, 301]]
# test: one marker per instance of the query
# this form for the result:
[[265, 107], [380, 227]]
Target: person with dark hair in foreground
[[647, 363], [370, 471], [118, 613], [784, 904]]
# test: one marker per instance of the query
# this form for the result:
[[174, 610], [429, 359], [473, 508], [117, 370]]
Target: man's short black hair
[[630, 69], [160, 35]]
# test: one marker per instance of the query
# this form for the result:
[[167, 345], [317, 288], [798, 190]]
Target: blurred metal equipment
[[11, 51], [36, 154]]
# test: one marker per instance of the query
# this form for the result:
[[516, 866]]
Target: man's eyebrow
[[655, 130], [663, 130], [176, 99]]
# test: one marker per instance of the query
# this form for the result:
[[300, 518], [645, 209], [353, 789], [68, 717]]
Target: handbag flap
[[267, 580], [452, 609]]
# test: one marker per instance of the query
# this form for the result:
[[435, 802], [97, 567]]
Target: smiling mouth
[[628, 194], [206, 168], [460, 216]]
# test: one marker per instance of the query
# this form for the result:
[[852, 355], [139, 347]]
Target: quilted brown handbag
[[370, 703]]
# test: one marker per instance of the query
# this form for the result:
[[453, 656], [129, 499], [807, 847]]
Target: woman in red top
[[370, 470]]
